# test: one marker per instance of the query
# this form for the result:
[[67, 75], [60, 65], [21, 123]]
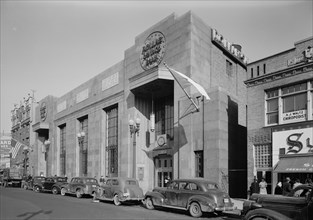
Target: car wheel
[[149, 203], [63, 191], [78, 193], [259, 214], [195, 210], [36, 189], [54, 191], [116, 200]]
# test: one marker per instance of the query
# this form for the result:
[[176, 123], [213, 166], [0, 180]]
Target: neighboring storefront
[[280, 103], [135, 120]]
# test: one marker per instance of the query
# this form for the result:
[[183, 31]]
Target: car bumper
[[221, 209]]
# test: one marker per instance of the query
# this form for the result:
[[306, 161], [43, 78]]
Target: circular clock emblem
[[161, 141], [153, 50]]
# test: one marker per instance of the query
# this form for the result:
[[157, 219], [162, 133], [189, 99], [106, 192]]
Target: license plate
[[226, 200]]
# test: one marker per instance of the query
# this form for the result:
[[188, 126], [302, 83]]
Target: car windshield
[[91, 181], [211, 186], [40, 178]]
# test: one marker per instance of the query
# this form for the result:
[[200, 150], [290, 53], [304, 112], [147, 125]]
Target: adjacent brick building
[[280, 128]]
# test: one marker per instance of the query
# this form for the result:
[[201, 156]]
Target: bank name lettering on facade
[[153, 50], [218, 38]]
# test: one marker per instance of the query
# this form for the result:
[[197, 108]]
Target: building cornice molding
[[288, 72]]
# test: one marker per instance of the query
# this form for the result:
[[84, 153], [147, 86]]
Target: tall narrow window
[[112, 140], [258, 70], [264, 68], [164, 116], [251, 72], [272, 106], [62, 150], [199, 163], [229, 68], [83, 124]]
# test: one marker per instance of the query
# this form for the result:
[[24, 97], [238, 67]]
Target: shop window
[[199, 163], [62, 150], [112, 140]]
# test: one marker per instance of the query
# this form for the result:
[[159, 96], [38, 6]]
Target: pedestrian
[[286, 187], [102, 179], [278, 189], [263, 185], [309, 181], [298, 192], [254, 187]]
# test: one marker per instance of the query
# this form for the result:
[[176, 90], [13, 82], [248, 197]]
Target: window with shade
[[112, 140], [83, 127], [164, 116]]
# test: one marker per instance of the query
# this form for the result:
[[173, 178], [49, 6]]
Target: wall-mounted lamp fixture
[[45, 146], [152, 122], [134, 127], [81, 136]]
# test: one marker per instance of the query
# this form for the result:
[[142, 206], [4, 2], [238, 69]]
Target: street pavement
[[20, 204]]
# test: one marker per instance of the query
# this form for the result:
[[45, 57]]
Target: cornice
[[288, 72]]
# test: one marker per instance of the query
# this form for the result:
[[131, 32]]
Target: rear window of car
[[211, 186], [40, 178], [130, 182], [61, 179]]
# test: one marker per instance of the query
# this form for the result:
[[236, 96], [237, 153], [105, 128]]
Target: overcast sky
[[54, 46]]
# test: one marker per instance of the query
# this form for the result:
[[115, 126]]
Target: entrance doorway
[[164, 170]]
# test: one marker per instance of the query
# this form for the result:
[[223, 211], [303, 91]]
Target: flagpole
[[197, 108]]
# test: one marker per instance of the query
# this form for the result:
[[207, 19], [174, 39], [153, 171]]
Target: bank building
[[135, 119]]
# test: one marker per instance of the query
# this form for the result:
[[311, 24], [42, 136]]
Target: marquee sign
[[153, 50]]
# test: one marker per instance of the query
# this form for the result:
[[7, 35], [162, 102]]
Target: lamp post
[[134, 127], [81, 136]]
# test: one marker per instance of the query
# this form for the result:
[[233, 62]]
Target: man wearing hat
[[286, 187]]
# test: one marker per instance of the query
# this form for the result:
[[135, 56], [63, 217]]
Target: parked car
[[118, 190], [297, 205], [80, 186], [31, 182], [50, 184], [196, 195]]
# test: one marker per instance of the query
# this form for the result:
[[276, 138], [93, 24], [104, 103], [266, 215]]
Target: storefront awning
[[296, 164]]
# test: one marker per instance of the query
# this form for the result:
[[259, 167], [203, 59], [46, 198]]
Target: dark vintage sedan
[[196, 195], [119, 189], [80, 186], [32, 182], [296, 205], [50, 184]]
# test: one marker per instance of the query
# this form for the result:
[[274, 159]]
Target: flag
[[15, 147], [177, 75]]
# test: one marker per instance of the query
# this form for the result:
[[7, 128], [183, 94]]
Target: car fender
[[265, 213], [157, 198], [207, 204]]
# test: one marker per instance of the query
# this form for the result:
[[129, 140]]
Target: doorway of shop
[[163, 170]]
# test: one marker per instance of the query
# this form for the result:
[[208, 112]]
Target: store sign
[[297, 141], [305, 57], [229, 47], [295, 116], [152, 51], [43, 111]]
